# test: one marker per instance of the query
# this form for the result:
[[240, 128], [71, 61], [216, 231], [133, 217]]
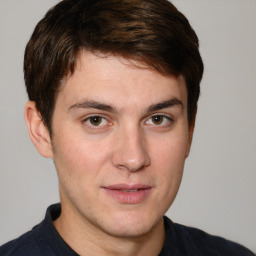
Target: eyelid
[[168, 117], [85, 119]]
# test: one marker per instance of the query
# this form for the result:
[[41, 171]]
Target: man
[[113, 89]]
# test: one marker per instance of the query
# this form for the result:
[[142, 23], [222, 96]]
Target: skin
[[115, 123]]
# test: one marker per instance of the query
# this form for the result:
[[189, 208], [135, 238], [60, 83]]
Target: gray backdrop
[[218, 193]]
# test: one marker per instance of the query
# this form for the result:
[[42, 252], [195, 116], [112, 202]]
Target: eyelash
[[163, 118], [88, 122]]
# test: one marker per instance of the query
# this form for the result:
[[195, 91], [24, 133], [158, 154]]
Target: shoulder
[[202, 243], [43, 239], [24, 245]]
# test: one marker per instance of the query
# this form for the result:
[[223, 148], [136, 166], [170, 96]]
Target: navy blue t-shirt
[[44, 240]]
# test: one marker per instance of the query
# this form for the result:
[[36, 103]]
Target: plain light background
[[218, 192]]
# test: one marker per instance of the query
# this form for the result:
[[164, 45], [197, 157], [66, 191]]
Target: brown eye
[[157, 120], [95, 120]]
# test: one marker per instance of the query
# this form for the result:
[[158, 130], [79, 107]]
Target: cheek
[[75, 148], [77, 159], [168, 157], [170, 150], [167, 169]]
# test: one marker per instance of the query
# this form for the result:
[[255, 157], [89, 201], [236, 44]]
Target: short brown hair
[[152, 32]]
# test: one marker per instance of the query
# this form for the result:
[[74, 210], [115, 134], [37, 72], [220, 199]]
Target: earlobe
[[38, 132]]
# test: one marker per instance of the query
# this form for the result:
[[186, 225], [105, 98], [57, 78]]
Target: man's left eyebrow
[[165, 104]]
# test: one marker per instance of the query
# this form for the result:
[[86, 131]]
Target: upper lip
[[127, 186]]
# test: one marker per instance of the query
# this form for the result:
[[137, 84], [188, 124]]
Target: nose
[[130, 151]]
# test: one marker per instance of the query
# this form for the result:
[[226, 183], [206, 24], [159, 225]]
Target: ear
[[191, 132], [38, 132]]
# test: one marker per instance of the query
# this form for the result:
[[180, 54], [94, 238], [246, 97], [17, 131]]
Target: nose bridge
[[131, 151]]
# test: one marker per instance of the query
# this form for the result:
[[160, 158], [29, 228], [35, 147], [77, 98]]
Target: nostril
[[131, 162]]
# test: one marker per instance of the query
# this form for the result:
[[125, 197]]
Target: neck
[[86, 239]]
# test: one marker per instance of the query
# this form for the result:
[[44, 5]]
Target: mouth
[[130, 191], [128, 194]]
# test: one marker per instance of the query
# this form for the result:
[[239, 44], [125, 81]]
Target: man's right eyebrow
[[93, 104]]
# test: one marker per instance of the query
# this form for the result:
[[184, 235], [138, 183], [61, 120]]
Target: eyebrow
[[93, 104], [165, 104], [105, 107]]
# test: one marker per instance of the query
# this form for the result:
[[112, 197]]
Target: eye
[[159, 120], [96, 121]]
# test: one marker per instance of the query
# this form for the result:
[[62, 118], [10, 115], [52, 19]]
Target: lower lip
[[128, 197]]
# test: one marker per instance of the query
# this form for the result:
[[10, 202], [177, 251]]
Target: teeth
[[132, 190]]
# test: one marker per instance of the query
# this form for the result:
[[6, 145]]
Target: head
[[150, 32], [115, 85]]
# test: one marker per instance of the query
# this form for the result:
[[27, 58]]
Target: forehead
[[119, 81]]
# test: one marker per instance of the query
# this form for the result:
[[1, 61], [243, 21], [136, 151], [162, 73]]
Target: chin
[[130, 225]]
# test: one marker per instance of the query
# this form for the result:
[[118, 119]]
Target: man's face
[[120, 139]]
